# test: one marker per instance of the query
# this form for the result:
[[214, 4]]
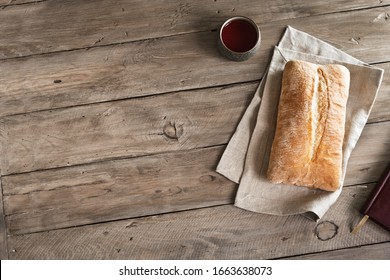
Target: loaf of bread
[[307, 148]]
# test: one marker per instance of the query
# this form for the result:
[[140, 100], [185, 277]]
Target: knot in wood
[[173, 130], [207, 178], [326, 230]]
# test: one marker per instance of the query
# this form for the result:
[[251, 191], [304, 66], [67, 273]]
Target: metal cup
[[251, 36]]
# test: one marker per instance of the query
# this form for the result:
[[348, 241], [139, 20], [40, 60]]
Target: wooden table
[[114, 114]]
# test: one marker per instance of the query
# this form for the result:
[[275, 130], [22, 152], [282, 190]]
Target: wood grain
[[379, 251], [51, 26], [86, 177], [3, 231], [127, 128], [169, 64], [135, 127], [111, 190], [116, 72], [224, 232], [120, 71], [115, 190], [382, 103], [370, 156]]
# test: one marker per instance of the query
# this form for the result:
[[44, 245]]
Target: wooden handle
[[360, 224]]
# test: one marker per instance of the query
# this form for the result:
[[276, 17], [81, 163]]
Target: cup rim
[[254, 25]]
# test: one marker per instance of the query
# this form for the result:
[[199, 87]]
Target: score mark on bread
[[307, 148]]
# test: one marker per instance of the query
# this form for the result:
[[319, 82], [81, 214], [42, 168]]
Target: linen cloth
[[245, 159]]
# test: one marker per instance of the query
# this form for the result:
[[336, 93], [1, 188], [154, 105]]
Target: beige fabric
[[245, 160]]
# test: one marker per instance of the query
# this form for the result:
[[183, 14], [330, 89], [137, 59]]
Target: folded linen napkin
[[245, 159]]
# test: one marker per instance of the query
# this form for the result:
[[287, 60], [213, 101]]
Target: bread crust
[[307, 148]]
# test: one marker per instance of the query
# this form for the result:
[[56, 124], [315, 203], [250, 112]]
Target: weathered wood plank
[[379, 251], [178, 121], [63, 25], [169, 64], [352, 32], [150, 185], [224, 232], [370, 156], [380, 111], [134, 127], [121, 71], [115, 190], [3, 231], [123, 188]]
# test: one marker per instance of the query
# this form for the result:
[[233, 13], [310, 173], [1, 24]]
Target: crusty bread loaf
[[307, 148]]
